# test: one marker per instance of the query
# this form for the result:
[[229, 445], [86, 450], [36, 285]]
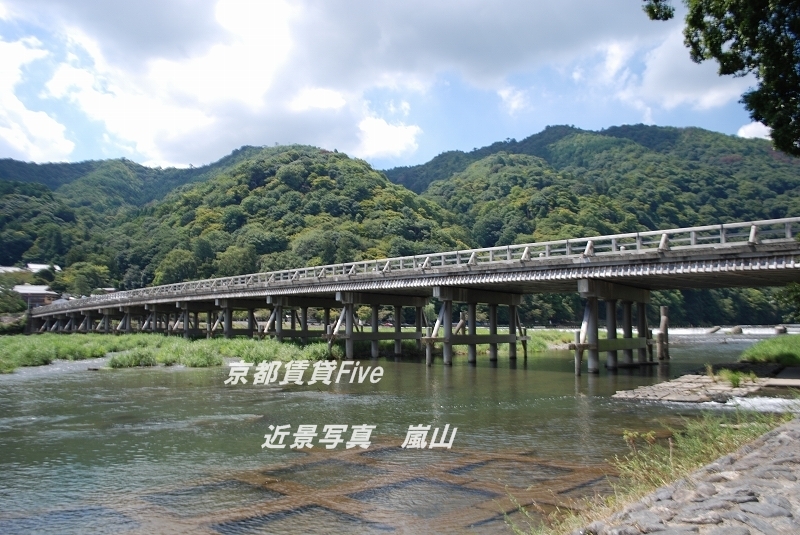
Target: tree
[[177, 266], [789, 299], [81, 278], [235, 260], [750, 36]]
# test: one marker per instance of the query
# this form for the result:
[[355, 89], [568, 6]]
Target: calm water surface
[[175, 450]]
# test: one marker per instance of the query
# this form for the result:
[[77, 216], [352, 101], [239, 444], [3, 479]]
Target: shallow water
[[175, 450]]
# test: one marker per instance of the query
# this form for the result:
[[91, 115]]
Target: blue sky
[[185, 82]]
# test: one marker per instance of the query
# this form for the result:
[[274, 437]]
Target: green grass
[[782, 349], [652, 463], [735, 378], [138, 356], [148, 350], [16, 351]]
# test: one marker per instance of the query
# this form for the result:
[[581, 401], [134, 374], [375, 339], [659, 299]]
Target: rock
[[595, 528], [752, 521], [774, 472], [738, 495], [621, 530], [780, 329], [705, 489], [720, 477], [764, 509], [729, 530], [699, 517], [647, 522], [778, 501], [736, 330]]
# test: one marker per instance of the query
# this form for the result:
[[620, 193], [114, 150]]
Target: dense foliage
[[119, 224], [759, 37]]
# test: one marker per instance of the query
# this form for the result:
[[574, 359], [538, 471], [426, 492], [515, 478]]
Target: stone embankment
[[696, 388], [753, 491]]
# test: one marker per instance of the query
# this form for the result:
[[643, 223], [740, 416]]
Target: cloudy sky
[[180, 82]]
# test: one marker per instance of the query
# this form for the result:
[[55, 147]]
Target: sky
[[185, 82]]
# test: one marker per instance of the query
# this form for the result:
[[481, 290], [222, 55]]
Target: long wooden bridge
[[621, 268]]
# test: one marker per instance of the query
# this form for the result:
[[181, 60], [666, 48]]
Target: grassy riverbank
[[153, 349], [652, 463], [146, 350], [783, 349]]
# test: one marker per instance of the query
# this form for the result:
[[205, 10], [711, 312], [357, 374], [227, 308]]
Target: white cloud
[[137, 120], [754, 130], [616, 58], [27, 134], [380, 139], [317, 98], [514, 100], [4, 12], [186, 81], [670, 79]]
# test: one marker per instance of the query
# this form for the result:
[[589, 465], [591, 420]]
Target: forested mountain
[[119, 223]]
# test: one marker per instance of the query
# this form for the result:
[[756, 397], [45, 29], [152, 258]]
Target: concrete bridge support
[[374, 324], [472, 297], [418, 320], [472, 349], [641, 328], [611, 332], [447, 321], [627, 330], [348, 331], [512, 329], [589, 341], [398, 328], [492, 332]]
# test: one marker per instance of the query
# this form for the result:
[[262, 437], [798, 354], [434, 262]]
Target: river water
[[175, 450]]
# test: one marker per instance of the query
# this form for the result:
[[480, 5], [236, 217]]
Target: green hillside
[[117, 223]]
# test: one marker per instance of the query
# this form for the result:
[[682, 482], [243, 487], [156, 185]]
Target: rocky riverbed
[[701, 388], [753, 491]]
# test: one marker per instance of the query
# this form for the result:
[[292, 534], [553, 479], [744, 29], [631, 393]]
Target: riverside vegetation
[[131, 350], [784, 349], [117, 223], [653, 462]]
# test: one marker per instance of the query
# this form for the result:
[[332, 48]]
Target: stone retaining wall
[[753, 491]]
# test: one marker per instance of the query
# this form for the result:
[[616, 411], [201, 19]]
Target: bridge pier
[[398, 328], [348, 331], [279, 322], [641, 329], [512, 329], [418, 317], [472, 349], [228, 320], [374, 324], [627, 330], [592, 290], [611, 332], [492, 332], [593, 363], [447, 343]]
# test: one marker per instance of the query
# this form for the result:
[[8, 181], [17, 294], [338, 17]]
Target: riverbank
[[755, 490], [132, 350]]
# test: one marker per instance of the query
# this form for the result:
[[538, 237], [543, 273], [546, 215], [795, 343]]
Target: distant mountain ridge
[[117, 223], [665, 140]]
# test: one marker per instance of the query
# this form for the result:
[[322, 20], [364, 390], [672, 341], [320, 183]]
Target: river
[[175, 450]]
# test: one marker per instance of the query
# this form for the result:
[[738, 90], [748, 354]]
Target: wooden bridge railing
[[710, 236]]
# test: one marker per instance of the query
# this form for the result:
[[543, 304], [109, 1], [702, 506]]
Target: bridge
[[620, 270]]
